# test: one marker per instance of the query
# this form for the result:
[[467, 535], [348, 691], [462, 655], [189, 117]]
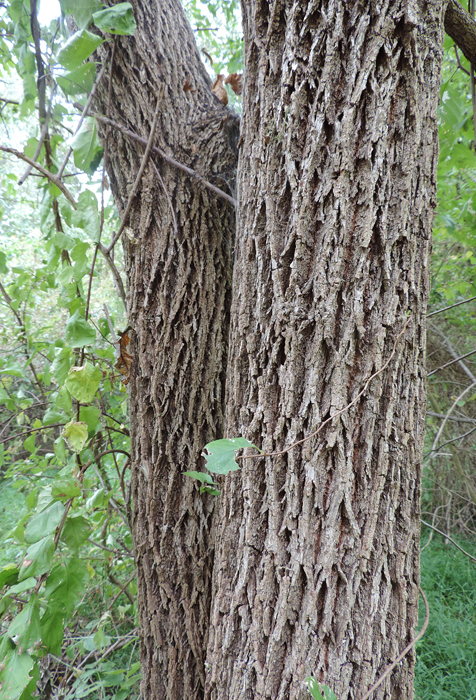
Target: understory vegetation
[[68, 623]]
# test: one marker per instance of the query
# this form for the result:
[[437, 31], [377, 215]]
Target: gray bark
[[179, 292], [317, 559]]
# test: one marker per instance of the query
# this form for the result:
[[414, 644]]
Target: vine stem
[[334, 415], [145, 158], [390, 668]]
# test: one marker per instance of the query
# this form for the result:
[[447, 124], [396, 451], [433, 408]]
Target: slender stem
[[145, 158]]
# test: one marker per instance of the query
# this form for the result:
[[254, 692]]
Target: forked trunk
[[317, 560], [179, 293]]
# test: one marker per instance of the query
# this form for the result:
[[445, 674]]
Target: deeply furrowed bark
[[317, 560], [178, 306]]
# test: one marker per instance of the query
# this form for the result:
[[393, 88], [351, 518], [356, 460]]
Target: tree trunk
[[179, 293], [317, 559]]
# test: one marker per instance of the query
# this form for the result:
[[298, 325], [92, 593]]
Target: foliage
[[318, 690], [220, 458], [68, 594], [67, 590], [446, 656], [449, 498]]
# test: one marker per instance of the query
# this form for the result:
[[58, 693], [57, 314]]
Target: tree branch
[[461, 27]]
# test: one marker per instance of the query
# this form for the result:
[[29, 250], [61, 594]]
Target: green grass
[[446, 656]]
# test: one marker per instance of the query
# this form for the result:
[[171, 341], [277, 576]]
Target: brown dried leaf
[[187, 87], [219, 90], [124, 361], [235, 80]]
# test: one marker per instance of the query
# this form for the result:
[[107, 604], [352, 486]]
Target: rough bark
[[178, 305], [317, 558], [461, 27]]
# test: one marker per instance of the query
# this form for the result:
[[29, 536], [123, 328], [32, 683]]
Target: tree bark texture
[[179, 294], [317, 557]]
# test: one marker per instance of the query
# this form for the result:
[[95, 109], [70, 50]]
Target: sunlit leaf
[[44, 523], [78, 48], [221, 454], [83, 382], [75, 433], [15, 675], [117, 19], [78, 332], [75, 532]]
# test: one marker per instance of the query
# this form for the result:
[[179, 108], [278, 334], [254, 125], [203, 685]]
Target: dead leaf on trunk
[[235, 81], [218, 89], [124, 361]]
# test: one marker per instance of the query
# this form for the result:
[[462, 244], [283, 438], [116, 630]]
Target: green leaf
[[78, 81], [38, 558], [3, 264], [75, 435], [8, 575], [86, 215], [44, 523], [318, 690], [200, 476], [52, 627], [209, 489], [221, 454], [78, 48], [52, 416], [29, 443], [118, 19], [23, 586], [79, 333], [96, 500], [61, 364], [87, 147], [83, 382], [82, 10], [65, 585], [75, 532], [90, 416], [26, 625], [66, 488], [60, 449], [15, 675], [13, 369]]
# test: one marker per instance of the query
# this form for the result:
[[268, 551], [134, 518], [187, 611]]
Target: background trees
[[178, 247]]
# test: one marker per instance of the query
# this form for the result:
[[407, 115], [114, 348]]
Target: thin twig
[[115, 273], [447, 308], [122, 590], [52, 178], [29, 432], [448, 442], [405, 651], [456, 419], [109, 322], [168, 159], [452, 362], [335, 415], [43, 135], [459, 62], [122, 641], [453, 353], [448, 413], [145, 158], [445, 488], [447, 537], [83, 114], [159, 177]]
